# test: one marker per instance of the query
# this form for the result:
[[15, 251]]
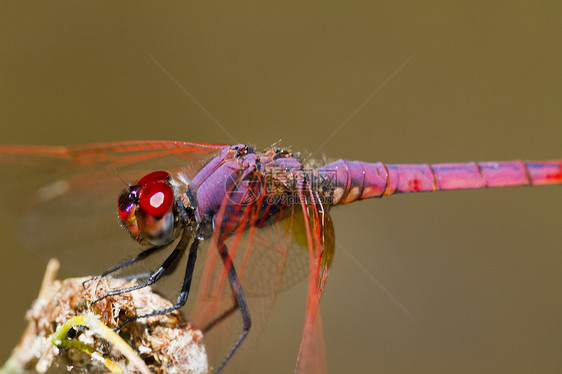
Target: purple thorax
[[244, 177]]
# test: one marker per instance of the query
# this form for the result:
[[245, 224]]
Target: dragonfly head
[[147, 209]]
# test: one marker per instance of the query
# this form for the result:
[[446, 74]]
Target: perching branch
[[66, 329]]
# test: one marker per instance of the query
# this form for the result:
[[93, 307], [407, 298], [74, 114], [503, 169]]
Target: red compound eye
[[157, 198], [155, 176], [124, 209], [127, 202]]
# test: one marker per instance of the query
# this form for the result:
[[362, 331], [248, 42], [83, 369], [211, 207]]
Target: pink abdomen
[[357, 180]]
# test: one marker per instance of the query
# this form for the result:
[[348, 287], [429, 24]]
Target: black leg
[[155, 276], [182, 298], [141, 256], [240, 300], [220, 318], [137, 276]]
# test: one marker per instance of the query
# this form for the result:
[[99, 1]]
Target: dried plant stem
[[160, 344]]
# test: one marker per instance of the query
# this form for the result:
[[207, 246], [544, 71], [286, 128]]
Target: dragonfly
[[263, 216]]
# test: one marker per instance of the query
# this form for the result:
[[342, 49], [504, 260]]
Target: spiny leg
[[220, 318], [156, 275], [182, 298], [144, 254], [141, 256], [240, 300], [136, 276]]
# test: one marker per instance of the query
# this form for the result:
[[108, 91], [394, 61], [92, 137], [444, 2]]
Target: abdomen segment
[[357, 180]]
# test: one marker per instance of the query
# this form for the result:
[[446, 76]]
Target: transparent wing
[[269, 253], [62, 200], [320, 238]]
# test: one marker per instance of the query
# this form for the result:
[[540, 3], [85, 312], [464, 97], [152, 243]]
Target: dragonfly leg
[[220, 318], [182, 298], [141, 256], [156, 275], [137, 276], [240, 301]]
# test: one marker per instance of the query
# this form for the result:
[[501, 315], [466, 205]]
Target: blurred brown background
[[480, 271]]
